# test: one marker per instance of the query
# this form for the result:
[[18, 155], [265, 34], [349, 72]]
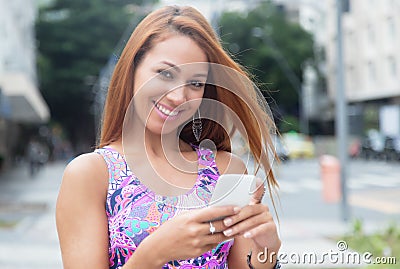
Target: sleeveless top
[[134, 211]]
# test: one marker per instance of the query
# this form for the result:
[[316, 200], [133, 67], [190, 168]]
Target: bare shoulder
[[80, 212], [87, 162], [87, 169], [229, 163], [85, 182]]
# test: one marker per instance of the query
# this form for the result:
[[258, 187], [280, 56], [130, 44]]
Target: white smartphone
[[233, 189]]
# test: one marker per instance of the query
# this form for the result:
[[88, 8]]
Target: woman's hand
[[188, 235], [255, 221]]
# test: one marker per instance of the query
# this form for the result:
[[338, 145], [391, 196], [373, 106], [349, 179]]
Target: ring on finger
[[212, 228]]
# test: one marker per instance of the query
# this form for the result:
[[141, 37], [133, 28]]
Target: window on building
[[391, 28], [392, 66], [345, 5], [351, 78], [371, 72]]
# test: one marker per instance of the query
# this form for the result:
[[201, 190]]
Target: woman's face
[[169, 83]]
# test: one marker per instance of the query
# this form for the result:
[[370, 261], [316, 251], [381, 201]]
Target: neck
[[153, 156], [158, 145]]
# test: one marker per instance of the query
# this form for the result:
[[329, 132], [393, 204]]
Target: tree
[[273, 49], [75, 40]]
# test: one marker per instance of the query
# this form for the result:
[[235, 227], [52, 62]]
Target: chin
[[160, 130]]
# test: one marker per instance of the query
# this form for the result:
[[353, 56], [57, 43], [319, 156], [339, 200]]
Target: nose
[[177, 96]]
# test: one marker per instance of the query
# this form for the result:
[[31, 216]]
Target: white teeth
[[166, 111]]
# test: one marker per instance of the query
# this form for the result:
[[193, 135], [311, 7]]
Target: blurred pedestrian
[[37, 154], [119, 207]]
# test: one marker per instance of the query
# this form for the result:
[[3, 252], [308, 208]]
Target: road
[[373, 190]]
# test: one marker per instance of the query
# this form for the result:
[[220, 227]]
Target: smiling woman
[[176, 89], [141, 200]]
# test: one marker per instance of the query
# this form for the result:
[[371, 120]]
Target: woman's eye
[[165, 73], [196, 83]]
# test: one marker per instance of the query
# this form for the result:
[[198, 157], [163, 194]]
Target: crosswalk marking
[[375, 204], [363, 181]]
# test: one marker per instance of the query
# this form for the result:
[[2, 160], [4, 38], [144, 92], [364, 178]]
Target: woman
[[130, 203]]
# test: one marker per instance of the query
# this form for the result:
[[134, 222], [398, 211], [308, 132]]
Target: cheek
[[145, 84], [151, 90], [196, 97]]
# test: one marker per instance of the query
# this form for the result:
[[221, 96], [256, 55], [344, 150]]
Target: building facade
[[20, 98], [371, 40]]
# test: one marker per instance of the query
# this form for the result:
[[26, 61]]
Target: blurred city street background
[[56, 58]]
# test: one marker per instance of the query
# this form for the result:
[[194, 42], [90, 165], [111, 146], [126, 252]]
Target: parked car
[[298, 145]]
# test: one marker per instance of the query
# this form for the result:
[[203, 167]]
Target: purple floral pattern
[[134, 211]]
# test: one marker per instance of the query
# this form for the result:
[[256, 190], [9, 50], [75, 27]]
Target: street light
[[341, 113]]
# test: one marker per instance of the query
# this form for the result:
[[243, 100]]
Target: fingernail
[[247, 235], [228, 232], [227, 221], [236, 209]]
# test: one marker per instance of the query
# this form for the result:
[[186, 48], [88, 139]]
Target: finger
[[260, 230], [215, 239], [218, 227], [215, 212], [258, 193], [246, 225], [245, 213]]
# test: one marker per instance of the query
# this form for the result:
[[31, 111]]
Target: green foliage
[[259, 40], [7, 224], [75, 39], [379, 244]]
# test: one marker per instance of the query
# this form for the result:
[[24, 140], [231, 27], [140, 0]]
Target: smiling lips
[[165, 112]]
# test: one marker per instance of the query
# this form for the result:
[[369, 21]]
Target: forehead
[[178, 50]]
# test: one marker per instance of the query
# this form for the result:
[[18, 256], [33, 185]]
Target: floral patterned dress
[[134, 211]]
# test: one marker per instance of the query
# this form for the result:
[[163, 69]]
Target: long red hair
[[189, 22]]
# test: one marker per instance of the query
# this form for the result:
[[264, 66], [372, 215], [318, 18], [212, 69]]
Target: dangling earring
[[197, 127]]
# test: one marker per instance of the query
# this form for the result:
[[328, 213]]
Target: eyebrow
[[175, 67]]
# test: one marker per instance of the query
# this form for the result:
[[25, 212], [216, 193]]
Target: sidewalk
[[28, 204], [313, 244]]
